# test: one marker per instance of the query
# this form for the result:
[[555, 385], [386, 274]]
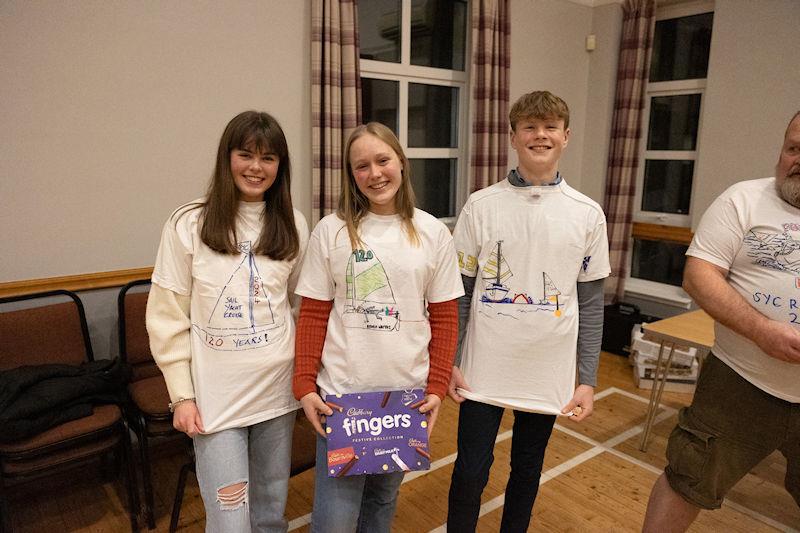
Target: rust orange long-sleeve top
[[312, 327]]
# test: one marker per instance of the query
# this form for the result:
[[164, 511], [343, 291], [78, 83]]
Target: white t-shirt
[[242, 340], [378, 329], [528, 248], [750, 231]]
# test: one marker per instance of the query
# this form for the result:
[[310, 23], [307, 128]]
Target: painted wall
[[548, 52], [752, 91], [607, 28], [112, 112]]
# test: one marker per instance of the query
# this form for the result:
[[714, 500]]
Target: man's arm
[[707, 284]]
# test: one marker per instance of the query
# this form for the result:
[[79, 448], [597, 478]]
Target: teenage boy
[[533, 253]]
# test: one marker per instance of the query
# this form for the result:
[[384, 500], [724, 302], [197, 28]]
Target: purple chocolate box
[[376, 433]]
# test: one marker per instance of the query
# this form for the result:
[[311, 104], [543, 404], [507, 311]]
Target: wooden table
[[694, 329]]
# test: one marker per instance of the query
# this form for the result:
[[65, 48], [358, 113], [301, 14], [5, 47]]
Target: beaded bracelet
[[176, 403]]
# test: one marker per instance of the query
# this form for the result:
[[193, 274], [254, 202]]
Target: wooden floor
[[595, 479]]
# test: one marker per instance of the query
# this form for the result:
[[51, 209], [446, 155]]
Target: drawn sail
[[495, 272], [242, 316], [370, 301]]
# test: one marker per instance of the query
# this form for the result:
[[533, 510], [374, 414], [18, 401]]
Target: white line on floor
[[596, 449]]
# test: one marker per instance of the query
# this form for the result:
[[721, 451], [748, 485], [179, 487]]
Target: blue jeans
[[363, 503], [259, 456], [477, 430]]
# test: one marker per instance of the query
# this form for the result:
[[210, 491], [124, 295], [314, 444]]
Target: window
[[673, 116], [413, 79]]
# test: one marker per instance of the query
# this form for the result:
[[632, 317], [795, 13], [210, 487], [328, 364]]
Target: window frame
[[654, 90], [405, 73], [652, 225]]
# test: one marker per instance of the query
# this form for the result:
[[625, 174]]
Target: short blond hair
[[538, 104]]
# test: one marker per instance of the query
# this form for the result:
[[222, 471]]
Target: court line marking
[[596, 449]]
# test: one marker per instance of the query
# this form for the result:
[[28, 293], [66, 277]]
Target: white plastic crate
[[679, 379], [683, 355], [646, 369]]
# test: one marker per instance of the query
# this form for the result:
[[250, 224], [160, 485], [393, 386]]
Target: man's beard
[[789, 188]]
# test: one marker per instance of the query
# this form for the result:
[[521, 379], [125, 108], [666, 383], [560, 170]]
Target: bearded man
[[743, 269]]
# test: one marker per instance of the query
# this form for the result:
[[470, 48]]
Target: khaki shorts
[[730, 427]]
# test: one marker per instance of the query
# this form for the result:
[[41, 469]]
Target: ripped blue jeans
[[255, 462]]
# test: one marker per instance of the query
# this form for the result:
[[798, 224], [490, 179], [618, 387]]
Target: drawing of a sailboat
[[370, 302], [550, 292], [495, 272], [242, 316]]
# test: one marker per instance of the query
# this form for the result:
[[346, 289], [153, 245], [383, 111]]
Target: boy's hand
[[186, 418], [457, 382], [431, 409], [316, 410], [582, 403]]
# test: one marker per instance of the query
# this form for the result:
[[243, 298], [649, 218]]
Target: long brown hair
[[254, 131], [353, 205]]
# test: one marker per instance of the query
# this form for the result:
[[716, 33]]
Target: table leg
[[659, 380]]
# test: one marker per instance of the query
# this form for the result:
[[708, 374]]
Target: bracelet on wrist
[[176, 403]]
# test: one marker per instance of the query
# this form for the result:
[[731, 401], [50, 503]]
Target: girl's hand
[[431, 409], [315, 410], [582, 403], [186, 418]]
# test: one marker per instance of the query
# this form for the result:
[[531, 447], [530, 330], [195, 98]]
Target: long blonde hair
[[353, 205]]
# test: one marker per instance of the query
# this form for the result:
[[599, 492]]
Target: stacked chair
[[50, 328]]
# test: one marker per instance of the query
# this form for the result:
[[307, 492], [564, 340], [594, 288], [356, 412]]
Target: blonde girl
[[398, 333]]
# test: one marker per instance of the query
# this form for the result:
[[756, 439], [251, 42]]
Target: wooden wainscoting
[[78, 282]]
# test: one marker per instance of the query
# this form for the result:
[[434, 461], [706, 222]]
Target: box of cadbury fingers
[[377, 433]]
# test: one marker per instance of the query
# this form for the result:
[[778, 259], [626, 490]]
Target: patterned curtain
[[335, 96], [626, 131], [489, 78]]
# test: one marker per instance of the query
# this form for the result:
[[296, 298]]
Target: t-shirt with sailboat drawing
[[378, 331], [242, 341], [528, 247]]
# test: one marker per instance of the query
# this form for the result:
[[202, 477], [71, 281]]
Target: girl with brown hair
[[221, 327]]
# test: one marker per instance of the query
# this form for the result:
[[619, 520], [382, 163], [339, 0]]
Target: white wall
[[112, 112], [753, 89], [607, 28], [548, 52]]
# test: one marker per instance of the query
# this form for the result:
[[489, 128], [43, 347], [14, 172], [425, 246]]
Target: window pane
[[680, 48], [673, 122], [432, 116], [438, 33], [379, 30], [658, 261], [434, 182], [379, 101], [667, 186]]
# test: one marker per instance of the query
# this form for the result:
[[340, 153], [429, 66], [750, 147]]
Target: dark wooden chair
[[148, 411], [50, 328]]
